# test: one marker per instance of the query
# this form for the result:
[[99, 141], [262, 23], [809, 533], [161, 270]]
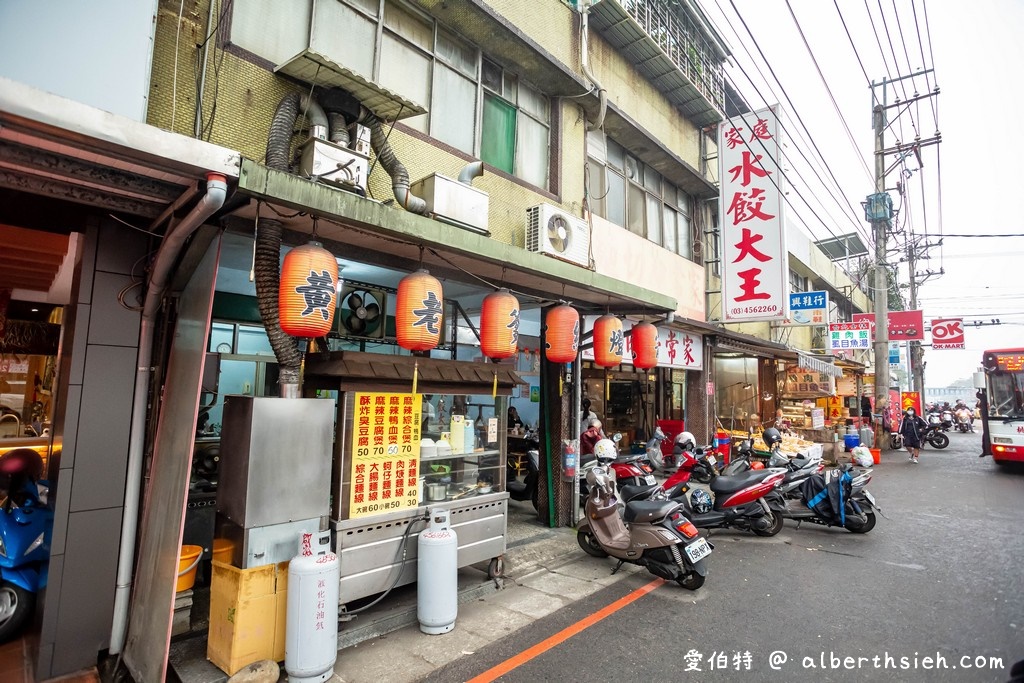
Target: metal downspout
[[167, 255]]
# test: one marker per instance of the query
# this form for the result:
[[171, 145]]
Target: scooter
[[659, 460], [933, 435], [527, 488], [26, 527], [628, 470], [964, 421], [837, 498], [654, 534]]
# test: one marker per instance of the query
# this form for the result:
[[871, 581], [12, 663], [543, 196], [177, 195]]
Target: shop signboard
[[676, 348], [911, 399], [894, 353], [849, 336], [755, 272], [385, 453], [801, 383], [808, 308], [948, 333], [902, 325], [846, 385]]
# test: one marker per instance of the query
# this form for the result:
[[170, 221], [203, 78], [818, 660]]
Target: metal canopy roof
[[842, 247], [696, 89]]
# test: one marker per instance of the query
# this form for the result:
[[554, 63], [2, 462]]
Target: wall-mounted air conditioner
[[552, 231]]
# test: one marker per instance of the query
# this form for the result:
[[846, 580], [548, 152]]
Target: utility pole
[[914, 351], [879, 212]]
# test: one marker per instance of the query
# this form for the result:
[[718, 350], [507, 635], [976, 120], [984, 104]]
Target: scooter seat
[[649, 510], [735, 482], [628, 493]]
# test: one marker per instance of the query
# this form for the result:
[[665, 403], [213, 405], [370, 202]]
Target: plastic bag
[[862, 456]]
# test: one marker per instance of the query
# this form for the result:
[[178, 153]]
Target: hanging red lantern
[[645, 346], [499, 325], [562, 334], [308, 292], [608, 341], [418, 311]]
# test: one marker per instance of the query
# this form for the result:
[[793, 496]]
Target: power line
[[896, 64], [924, 64]]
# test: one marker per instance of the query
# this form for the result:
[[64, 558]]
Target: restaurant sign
[[385, 453]]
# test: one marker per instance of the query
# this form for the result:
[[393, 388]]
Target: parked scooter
[[26, 527], [836, 498], [628, 470], [659, 460], [654, 534], [933, 436], [527, 488]]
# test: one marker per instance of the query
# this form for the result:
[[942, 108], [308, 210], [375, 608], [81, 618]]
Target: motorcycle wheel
[[691, 581], [776, 526], [585, 537], [852, 527], [939, 440], [16, 607]]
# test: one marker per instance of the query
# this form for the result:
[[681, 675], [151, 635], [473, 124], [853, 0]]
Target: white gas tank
[[437, 575], [311, 632]]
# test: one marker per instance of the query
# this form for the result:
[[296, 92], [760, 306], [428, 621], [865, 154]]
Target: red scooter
[[629, 470], [738, 502]]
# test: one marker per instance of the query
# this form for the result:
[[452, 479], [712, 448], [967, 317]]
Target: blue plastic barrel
[[851, 441]]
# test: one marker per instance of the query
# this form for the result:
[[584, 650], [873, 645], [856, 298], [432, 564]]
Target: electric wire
[[927, 79], [858, 227], [784, 174], [896, 64], [885, 62], [856, 52]]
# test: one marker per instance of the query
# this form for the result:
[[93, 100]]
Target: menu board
[[385, 453]]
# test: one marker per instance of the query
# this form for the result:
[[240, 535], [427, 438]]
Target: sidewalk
[[545, 570]]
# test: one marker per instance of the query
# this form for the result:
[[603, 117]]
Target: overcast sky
[[978, 57]]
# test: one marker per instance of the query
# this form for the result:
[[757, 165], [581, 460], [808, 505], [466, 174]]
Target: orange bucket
[[876, 455], [223, 550], [188, 561]]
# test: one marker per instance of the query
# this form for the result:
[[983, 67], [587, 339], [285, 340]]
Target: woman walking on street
[[913, 428]]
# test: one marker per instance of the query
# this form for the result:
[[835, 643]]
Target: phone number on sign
[[754, 309]]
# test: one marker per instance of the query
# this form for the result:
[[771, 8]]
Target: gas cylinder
[[311, 630], [437, 573], [867, 436]]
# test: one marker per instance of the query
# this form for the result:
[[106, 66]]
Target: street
[[935, 592]]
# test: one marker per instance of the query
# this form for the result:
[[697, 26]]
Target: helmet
[[757, 465], [687, 440], [771, 437], [605, 449], [700, 501]]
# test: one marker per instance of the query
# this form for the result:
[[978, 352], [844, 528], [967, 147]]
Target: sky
[[976, 53]]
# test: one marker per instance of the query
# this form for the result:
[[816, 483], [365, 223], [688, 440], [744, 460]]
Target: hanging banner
[[808, 308], [385, 453], [911, 399], [902, 325], [676, 349], [948, 333], [755, 270], [801, 383], [849, 336]]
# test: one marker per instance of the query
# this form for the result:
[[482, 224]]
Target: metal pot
[[436, 492]]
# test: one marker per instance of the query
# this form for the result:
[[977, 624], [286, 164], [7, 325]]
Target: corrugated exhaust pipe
[[395, 169]]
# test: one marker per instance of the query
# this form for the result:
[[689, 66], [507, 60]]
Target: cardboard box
[[248, 610]]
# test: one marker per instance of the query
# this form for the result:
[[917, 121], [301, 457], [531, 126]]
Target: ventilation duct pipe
[[159, 275], [471, 170], [267, 265], [391, 164]]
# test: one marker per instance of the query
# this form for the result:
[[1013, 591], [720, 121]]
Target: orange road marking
[[563, 635]]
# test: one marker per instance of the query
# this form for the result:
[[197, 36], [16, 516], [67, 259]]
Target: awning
[[818, 364]]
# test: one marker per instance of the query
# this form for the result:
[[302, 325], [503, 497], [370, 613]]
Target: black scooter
[[527, 488]]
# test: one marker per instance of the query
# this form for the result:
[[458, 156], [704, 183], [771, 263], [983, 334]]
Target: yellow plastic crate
[[248, 610]]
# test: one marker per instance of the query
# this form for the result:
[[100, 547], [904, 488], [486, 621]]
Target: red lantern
[[562, 334], [308, 291], [499, 325], [608, 341], [418, 311], [645, 346]]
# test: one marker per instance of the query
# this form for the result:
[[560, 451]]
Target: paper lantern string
[[415, 374]]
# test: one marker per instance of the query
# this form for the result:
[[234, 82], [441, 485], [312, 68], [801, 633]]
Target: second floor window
[[631, 194]]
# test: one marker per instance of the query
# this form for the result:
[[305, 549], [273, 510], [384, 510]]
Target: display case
[[398, 453]]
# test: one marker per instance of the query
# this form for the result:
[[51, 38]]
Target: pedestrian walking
[[912, 428]]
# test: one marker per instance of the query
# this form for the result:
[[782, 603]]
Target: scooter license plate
[[871, 499], [712, 460], [649, 479], [698, 550]]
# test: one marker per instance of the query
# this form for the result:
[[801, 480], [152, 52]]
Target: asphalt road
[[942, 576]]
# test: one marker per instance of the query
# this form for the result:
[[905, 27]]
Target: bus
[[1004, 393]]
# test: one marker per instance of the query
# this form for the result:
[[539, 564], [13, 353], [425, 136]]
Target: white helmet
[[605, 449], [686, 440]]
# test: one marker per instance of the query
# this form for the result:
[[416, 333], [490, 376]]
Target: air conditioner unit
[[552, 231]]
